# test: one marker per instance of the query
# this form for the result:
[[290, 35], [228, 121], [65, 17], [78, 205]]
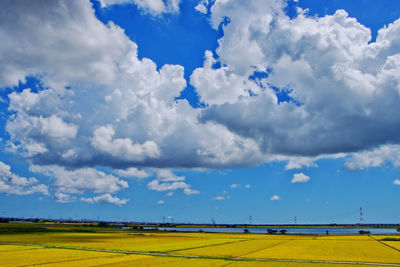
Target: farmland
[[79, 245]]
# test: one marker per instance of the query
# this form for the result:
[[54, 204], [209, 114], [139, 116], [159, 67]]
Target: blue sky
[[142, 109]]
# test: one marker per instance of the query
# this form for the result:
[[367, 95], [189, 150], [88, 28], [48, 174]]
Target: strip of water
[[380, 231]]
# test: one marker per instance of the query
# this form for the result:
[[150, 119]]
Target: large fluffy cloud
[[59, 39], [342, 91], [102, 104]]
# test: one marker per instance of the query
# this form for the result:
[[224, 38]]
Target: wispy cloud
[[170, 186], [275, 197], [106, 198], [236, 186]]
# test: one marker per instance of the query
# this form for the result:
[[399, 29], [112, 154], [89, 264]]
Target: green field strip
[[208, 257]]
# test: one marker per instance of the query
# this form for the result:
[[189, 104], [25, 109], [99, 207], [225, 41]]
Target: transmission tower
[[250, 219], [295, 220], [361, 216]]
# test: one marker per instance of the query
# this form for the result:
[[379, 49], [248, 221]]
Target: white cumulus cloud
[[300, 178], [102, 105], [122, 147], [168, 176], [106, 198], [171, 186], [374, 158], [67, 183], [11, 183], [154, 7], [202, 6], [133, 172], [275, 197], [311, 60]]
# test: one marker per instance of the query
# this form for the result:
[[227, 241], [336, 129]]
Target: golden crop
[[180, 246], [394, 244], [37, 255], [331, 250], [4, 248], [237, 249], [163, 242]]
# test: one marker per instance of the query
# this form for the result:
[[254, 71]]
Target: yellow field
[[38, 256], [239, 249], [122, 241], [393, 244], [29, 256], [176, 249], [331, 250]]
